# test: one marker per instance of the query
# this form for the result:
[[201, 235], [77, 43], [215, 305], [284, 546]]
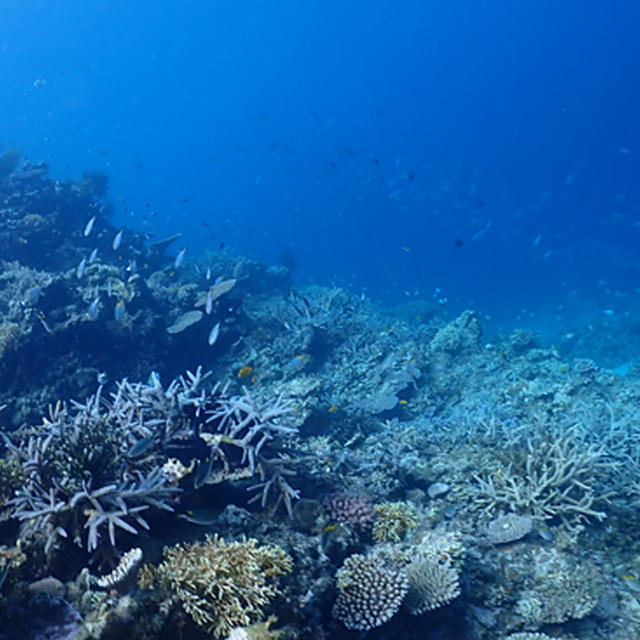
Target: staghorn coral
[[393, 520], [92, 468], [370, 591], [221, 585], [545, 477]]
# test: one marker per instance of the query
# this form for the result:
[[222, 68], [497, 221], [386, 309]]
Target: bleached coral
[[128, 563], [546, 476]]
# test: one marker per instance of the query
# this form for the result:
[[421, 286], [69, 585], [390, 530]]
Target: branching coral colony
[[95, 468]]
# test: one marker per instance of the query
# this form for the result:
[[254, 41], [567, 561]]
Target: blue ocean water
[[481, 155]]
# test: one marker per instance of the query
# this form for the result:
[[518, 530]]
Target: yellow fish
[[245, 371]]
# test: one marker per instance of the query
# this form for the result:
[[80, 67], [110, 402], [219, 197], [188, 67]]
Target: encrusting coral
[[221, 585]]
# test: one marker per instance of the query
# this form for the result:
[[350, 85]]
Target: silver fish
[[108, 288], [213, 334], [180, 258], [32, 295], [208, 274], [120, 311], [89, 227], [94, 310], [117, 240], [80, 269], [93, 256], [208, 307]]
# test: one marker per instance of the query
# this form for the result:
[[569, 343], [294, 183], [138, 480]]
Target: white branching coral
[[98, 467], [128, 563], [546, 476]]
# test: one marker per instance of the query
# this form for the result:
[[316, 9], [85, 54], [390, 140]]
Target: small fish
[[213, 334], [179, 258], [132, 267], [93, 256], [333, 408], [120, 311], [208, 307], [297, 363], [402, 401], [202, 472], [141, 447], [4, 573], [117, 240], [208, 274], [32, 295], [245, 371], [108, 288], [80, 269], [89, 227], [203, 517], [94, 310], [406, 249]]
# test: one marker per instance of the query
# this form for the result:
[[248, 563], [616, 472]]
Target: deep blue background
[[364, 138]]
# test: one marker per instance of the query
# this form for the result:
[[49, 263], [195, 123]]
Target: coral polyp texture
[[370, 591]]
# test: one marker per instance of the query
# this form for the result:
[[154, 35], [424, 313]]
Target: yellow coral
[[221, 585], [394, 519]]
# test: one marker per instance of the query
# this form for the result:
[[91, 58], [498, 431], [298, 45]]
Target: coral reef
[[478, 486]]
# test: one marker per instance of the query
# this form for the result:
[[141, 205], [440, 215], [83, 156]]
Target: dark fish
[[203, 517], [458, 243], [140, 447], [202, 472], [4, 574]]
